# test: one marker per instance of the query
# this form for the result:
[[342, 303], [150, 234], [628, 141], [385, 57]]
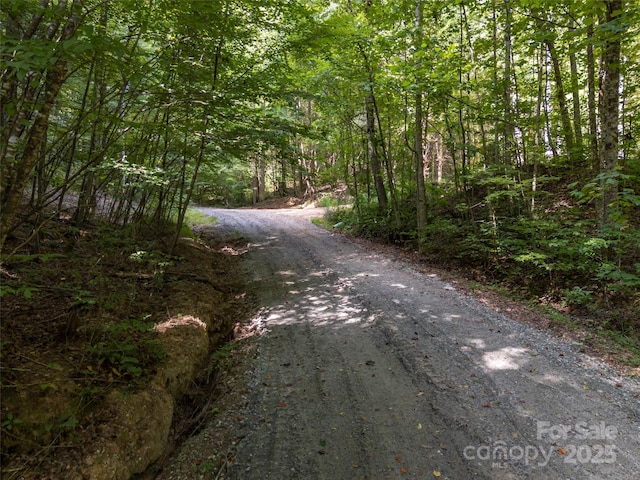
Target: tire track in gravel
[[371, 370]]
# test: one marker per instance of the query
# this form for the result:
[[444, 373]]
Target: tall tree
[[28, 91], [610, 106], [421, 198], [374, 141]]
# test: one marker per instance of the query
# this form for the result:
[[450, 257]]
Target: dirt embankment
[[370, 369], [81, 395]]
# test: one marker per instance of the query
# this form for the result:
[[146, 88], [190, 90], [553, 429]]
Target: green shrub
[[579, 296], [124, 349]]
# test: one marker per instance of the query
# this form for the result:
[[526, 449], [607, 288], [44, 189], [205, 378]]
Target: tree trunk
[[494, 56], [185, 204], [575, 92], [609, 112], [539, 129], [374, 159], [591, 102], [421, 199], [567, 130], [509, 137], [87, 196], [15, 172]]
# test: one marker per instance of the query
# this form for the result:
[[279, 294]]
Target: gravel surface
[[369, 369]]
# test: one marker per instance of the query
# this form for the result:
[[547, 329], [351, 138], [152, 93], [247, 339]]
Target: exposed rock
[[141, 428]]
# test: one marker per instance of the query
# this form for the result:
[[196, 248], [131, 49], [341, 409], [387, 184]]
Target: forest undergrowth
[[78, 310]]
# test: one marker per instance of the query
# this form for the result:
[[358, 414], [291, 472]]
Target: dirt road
[[369, 369]]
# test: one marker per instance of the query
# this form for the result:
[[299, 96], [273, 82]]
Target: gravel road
[[369, 369]]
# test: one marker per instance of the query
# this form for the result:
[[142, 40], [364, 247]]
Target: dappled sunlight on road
[[314, 313], [367, 274], [478, 343], [507, 358], [320, 297], [319, 303], [286, 272]]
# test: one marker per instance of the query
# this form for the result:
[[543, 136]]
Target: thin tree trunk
[[565, 119], [496, 126], [262, 169], [575, 92], [539, 130], [591, 102], [203, 142], [375, 164], [189, 192], [387, 165], [509, 137], [550, 132], [15, 173], [418, 144], [609, 113], [374, 159]]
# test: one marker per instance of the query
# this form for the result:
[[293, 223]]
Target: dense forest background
[[498, 134]]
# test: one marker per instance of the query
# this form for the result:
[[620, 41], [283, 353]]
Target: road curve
[[371, 370]]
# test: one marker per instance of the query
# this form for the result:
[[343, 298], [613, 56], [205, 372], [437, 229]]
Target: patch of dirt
[[279, 202], [99, 328]]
